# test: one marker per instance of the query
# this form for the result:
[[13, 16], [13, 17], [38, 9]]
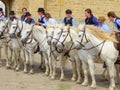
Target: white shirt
[[50, 21], [104, 27]]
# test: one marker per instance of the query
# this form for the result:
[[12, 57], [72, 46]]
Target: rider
[[41, 13], [49, 20], [2, 16], [90, 18], [68, 20], [29, 20], [102, 25], [41, 21], [116, 21], [24, 11], [12, 16]]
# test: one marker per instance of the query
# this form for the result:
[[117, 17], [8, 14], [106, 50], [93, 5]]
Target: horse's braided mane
[[100, 34]]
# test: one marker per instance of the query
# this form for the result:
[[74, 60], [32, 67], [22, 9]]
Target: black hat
[[28, 14], [41, 10], [12, 13], [1, 9], [68, 11]]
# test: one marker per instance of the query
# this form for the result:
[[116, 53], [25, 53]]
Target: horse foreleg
[[91, 67], [54, 67], [117, 78], [79, 70], [62, 61], [74, 76], [9, 59], [46, 63], [31, 55], [17, 54], [0, 54], [14, 59], [85, 70], [42, 64], [26, 61], [51, 66], [111, 74]]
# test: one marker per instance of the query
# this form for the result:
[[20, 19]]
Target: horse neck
[[94, 41], [39, 35], [74, 36]]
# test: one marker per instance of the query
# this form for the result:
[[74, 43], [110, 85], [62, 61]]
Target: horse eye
[[58, 33], [3, 26], [27, 31], [63, 35], [14, 27], [79, 35]]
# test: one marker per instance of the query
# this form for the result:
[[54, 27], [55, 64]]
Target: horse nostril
[[54, 43]]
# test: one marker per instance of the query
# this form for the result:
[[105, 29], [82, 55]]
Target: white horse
[[29, 46], [4, 28], [15, 47], [54, 55], [65, 51], [40, 35], [92, 43]]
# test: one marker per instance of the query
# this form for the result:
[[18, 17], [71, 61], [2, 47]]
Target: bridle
[[29, 36], [6, 26], [58, 37], [62, 43], [84, 35], [20, 30], [68, 34]]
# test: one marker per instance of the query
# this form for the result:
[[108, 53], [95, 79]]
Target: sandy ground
[[11, 80]]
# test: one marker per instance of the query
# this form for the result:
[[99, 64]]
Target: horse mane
[[98, 33], [66, 28], [54, 26]]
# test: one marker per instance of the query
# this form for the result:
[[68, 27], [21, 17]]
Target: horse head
[[26, 33], [16, 27], [4, 26], [56, 34], [67, 38]]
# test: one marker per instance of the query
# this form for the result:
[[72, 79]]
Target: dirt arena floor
[[11, 80]]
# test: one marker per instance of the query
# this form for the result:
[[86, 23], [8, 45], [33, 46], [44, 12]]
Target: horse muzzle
[[49, 42], [77, 46], [12, 35], [1, 34], [23, 40], [54, 42], [60, 47]]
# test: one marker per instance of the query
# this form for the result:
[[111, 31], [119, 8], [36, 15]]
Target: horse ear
[[82, 27]]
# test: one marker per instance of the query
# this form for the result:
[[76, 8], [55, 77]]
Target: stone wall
[[99, 7], [57, 7]]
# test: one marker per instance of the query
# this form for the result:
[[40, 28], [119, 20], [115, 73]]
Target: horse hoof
[[53, 78], [8, 67], [84, 84], [93, 86], [112, 88], [78, 82], [25, 71], [17, 69], [46, 73], [31, 72], [62, 79], [73, 79]]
